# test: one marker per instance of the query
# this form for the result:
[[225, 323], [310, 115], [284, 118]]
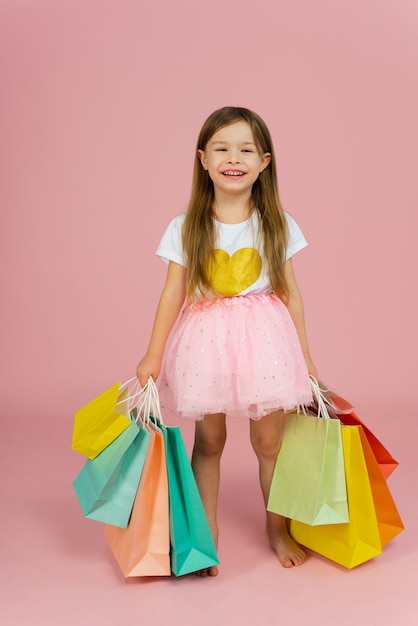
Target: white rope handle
[[333, 408], [147, 404], [320, 399], [142, 404], [155, 401], [128, 382], [133, 392]]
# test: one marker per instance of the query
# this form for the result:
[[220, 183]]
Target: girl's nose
[[233, 157]]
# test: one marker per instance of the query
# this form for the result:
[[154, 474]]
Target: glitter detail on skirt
[[238, 355]]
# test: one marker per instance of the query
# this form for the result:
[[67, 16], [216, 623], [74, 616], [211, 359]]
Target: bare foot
[[288, 551], [209, 571], [213, 570]]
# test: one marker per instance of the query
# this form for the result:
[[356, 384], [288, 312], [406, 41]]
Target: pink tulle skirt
[[239, 355]]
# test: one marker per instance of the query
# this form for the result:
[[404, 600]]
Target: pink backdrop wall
[[101, 104]]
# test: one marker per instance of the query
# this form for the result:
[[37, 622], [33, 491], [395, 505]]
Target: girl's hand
[[148, 366], [311, 367]]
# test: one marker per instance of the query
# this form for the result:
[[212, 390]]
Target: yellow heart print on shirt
[[231, 275]]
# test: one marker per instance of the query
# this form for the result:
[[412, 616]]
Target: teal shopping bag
[[107, 485], [192, 546]]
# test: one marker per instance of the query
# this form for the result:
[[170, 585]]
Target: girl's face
[[232, 159]]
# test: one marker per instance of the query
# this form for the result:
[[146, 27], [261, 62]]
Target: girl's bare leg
[[266, 435], [210, 437]]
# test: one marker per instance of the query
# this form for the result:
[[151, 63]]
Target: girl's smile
[[233, 173]]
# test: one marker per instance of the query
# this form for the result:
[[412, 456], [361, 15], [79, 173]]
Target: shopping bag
[[143, 547], [387, 464], [373, 514], [192, 546], [339, 408], [100, 421], [309, 481], [388, 518], [107, 485]]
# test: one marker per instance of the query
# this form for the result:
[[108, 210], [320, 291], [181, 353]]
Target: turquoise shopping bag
[[107, 485], [192, 546]]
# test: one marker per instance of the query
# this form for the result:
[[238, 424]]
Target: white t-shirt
[[240, 268]]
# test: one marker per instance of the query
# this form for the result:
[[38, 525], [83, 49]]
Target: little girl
[[230, 321]]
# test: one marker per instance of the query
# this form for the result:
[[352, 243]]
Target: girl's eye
[[247, 150], [220, 149]]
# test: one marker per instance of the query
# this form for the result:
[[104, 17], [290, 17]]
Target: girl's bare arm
[[296, 310], [171, 301]]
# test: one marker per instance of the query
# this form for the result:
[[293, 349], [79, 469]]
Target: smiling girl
[[229, 334]]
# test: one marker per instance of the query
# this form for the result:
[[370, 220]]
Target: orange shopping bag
[[143, 548], [388, 518]]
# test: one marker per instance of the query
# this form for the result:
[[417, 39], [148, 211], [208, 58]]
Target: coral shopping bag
[[107, 485], [385, 460], [100, 421], [341, 409], [308, 483], [143, 548], [374, 519]]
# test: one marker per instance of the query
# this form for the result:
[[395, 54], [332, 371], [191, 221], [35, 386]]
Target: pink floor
[[57, 569]]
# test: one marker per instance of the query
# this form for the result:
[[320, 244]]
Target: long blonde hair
[[199, 233]]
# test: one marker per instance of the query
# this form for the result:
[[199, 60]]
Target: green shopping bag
[[308, 483], [107, 485], [192, 546]]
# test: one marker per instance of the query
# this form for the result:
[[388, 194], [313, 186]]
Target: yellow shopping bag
[[100, 421], [359, 540]]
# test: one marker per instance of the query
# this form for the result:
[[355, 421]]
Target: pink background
[[101, 103]]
